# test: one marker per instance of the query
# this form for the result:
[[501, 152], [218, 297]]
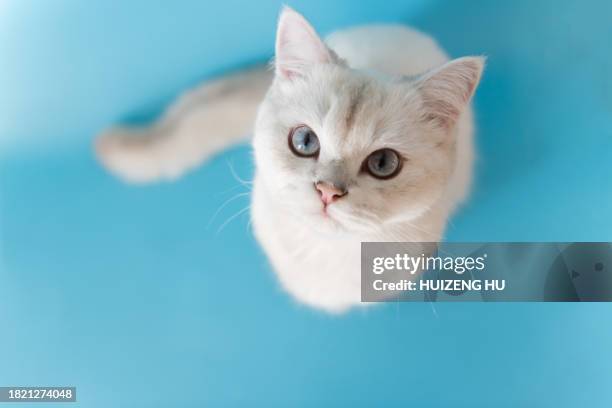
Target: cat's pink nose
[[329, 192]]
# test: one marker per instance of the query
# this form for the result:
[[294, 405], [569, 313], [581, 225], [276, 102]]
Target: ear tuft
[[447, 90], [297, 45]]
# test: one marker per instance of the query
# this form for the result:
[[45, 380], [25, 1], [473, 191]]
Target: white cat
[[367, 137]]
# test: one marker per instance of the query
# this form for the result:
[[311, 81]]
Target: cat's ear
[[297, 45], [447, 90]]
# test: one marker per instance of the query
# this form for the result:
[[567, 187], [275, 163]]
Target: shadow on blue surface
[[136, 297]]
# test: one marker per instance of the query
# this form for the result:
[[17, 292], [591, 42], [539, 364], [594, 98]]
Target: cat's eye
[[383, 163], [304, 142]]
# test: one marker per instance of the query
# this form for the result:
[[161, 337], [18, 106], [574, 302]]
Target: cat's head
[[345, 151]]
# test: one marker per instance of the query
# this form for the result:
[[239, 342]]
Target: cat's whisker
[[233, 217], [433, 309], [219, 193], [239, 179], [222, 206]]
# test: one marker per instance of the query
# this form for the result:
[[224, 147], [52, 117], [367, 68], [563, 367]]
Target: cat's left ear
[[446, 91], [298, 46]]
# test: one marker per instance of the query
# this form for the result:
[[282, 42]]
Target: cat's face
[[348, 152], [325, 128]]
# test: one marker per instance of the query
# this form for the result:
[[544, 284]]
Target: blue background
[[142, 297]]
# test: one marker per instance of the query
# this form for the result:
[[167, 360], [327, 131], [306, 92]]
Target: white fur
[[200, 123], [403, 94]]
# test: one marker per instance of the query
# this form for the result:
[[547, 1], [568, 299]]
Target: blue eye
[[303, 142], [383, 163]]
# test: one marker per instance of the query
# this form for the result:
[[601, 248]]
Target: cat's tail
[[202, 122]]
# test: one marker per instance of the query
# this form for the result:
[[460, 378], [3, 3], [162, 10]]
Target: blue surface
[[141, 297]]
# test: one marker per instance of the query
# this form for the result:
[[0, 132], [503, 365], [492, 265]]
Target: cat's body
[[380, 103]]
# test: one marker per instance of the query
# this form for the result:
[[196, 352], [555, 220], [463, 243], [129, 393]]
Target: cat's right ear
[[298, 46]]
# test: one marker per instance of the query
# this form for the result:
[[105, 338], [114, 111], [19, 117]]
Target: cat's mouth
[[326, 215], [340, 218], [328, 218], [334, 217], [324, 211]]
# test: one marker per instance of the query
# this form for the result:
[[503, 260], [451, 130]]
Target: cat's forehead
[[350, 111]]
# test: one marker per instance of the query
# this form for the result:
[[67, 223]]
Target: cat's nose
[[330, 192]]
